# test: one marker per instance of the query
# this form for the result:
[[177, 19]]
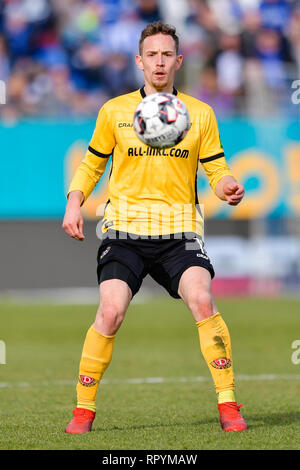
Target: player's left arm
[[212, 158]]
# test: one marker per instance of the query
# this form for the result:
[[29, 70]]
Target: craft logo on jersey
[[125, 124], [221, 363], [105, 252], [87, 381]]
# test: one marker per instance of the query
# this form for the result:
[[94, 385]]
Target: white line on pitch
[[151, 380]]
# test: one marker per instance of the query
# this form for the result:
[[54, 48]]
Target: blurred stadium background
[[61, 60]]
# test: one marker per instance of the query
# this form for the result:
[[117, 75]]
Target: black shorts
[[164, 260]]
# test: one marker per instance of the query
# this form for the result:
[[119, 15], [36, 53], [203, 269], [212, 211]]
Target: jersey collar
[[142, 91]]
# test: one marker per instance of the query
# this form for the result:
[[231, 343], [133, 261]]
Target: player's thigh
[[195, 290], [115, 297], [117, 285], [115, 293]]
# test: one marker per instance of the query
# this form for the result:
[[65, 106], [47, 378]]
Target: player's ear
[[139, 62], [179, 60]]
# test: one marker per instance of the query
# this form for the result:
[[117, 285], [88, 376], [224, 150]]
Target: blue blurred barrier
[[39, 158], [33, 167]]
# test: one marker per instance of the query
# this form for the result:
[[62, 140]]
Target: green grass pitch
[[158, 339]]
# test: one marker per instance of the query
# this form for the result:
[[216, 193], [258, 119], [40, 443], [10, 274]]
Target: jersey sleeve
[[93, 165], [211, 154], [103, 139]]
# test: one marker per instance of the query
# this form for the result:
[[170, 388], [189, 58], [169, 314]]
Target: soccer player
[[137, 241]]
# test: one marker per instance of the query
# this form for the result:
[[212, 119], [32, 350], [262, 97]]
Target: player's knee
[[109, 317], [201, 303]]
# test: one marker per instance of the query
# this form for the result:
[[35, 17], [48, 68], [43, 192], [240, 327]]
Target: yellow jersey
[[151, 192]]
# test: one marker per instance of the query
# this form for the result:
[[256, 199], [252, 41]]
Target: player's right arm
[[73, 220], [88, 174]]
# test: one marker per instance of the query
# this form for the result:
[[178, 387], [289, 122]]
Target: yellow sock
[[96, 356], [216, 349]]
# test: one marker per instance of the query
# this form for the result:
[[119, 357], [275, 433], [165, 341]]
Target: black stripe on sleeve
[[99, 154], [214, 157]]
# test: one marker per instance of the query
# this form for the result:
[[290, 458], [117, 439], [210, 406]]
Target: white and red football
[[161, 120]]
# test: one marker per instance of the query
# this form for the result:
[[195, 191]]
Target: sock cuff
[[87, 405], [93, 329], [212, 317], [226, 396]]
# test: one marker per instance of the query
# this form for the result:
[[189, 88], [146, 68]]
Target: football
[[161, 120]]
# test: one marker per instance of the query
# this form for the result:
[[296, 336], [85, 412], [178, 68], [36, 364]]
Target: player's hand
[[73, 222], [234, 193]]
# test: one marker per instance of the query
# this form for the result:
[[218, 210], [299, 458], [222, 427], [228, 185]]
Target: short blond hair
[[156, 28]]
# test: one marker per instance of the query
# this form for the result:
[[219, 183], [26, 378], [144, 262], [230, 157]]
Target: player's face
[[159, 62]]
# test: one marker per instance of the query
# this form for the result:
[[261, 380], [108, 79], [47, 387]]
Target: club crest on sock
[[87, 381], [221, 363]]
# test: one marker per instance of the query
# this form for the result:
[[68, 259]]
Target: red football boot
[[230, 417], [82, 421]]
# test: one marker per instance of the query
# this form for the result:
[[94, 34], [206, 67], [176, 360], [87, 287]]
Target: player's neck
[[149, 89]]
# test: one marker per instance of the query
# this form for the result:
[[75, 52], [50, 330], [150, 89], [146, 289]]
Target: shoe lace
[[80, 416], [233, 410]]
